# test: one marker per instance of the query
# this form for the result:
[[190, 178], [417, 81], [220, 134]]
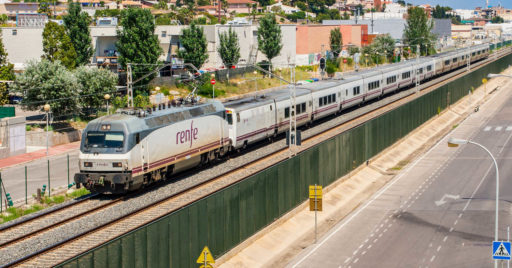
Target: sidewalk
[[28, 157]]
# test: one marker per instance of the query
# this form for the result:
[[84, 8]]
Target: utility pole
[[293, 117], [129, 84], [372, 20], [417, 68]]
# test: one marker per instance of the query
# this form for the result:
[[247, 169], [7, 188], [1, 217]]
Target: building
[[312, 40], [395, 27], [395, 8], [12, 10]]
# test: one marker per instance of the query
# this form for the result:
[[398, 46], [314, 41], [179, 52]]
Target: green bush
[[28, 128], [330, 68]]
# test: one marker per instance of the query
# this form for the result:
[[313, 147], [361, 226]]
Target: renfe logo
[[187, 135]]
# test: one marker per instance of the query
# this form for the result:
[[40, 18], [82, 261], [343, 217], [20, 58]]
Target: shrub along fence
[[224, 219]]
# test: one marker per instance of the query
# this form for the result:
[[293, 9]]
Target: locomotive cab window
[[137, 138], [286, 112], [96, 139], [238, 117], [230, 118], [429, 68], [446, 62]]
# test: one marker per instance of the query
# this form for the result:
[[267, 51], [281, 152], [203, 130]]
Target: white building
[[382, 16], [395, 8], [25, 44], [465, 13]]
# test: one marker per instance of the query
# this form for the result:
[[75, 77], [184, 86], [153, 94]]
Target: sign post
[[212, 81], [501, 250], [315, 202], [205, 258]]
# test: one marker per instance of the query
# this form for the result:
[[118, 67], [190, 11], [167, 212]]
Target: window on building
[[14, 32], [164, 33]]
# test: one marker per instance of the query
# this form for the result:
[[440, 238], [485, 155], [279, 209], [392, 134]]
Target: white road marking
[[375, 241], [355, 261], [365, 241], [460, 215], [430, 245], [364, 252], [438, 248], [348, 259], [355, 252], [455, 223], [379, 193], [432, 259], [487, 128], [498, 128], [509, 128], [451, 229], [445, 237], [369, 247]]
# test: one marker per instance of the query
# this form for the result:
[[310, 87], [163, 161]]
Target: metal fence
[[223, 220]]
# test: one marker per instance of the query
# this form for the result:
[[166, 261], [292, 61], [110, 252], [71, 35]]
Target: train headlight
[[87, 164], [117, 164]]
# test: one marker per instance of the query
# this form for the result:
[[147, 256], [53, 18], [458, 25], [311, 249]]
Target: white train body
[[256, 118]]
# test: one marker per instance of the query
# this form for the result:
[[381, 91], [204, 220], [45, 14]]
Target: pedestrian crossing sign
[[501, 250]]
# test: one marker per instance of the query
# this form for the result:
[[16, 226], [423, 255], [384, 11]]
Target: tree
[[44, 8], [57, 45], [264, 3], [48, 82], [137, 42], [228, 49], [269, 37], [77, 26], [336, 42], [384, 45], [418, 29], [194, 46], [161, 5], [497, 19], [439, 12], [94, 84], [6, 73], [401, 2]]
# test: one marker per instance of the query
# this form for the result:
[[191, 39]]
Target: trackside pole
[[508, 239], [49, 189], [26, 202], [315, 213]]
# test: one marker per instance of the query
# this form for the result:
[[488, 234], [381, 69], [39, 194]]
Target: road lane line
[[455, 223], [438, 248], [379, 193], [498, 128], [432, 259], [509, 128], [487, 128], [485, 175], [451, 229], [445, 237]]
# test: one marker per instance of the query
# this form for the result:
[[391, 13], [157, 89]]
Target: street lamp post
[[107, 97], [452, 142], [46, 108]]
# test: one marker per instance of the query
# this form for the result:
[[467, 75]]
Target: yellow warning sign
[[315, 205], [206, 256], [315, 190]]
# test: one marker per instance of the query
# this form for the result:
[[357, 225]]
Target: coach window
[[286, 112], [346, 92], [321, 102], [429, 68], [329, 99], [333, 97], [446, 62], [137, 138], [303, 107], [238, 117]]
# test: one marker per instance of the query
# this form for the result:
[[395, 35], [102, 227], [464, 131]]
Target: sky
[[462, 4]]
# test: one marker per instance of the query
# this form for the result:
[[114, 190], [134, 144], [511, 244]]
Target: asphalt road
[[438, 212], [37, 175]]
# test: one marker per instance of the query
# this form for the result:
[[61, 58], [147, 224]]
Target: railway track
[[83, 242], [33, 227]]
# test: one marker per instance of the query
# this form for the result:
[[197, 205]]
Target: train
[[134, 148]]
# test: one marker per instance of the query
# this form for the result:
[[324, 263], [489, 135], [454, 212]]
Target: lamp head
[[107, 96], [453, 142], [46, 107]]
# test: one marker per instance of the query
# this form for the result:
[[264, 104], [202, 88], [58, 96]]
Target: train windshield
[[97, 139]]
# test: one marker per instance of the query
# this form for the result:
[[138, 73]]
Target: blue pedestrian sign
[[501, 250]]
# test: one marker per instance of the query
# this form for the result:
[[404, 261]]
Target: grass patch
[[454, 126], [400, 165], [16, 212]]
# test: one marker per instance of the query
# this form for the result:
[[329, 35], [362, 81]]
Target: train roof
[[137, 120]]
